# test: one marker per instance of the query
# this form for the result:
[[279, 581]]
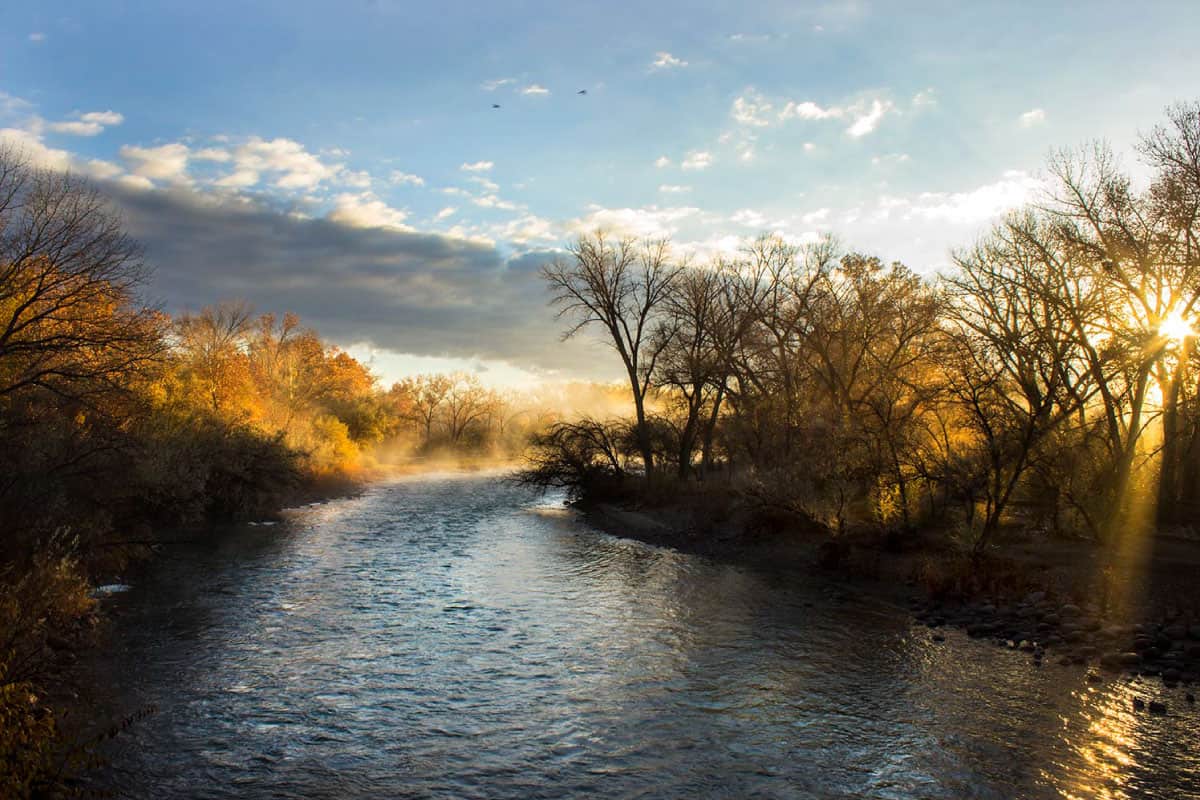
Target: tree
[[622, 287], [70, 321]]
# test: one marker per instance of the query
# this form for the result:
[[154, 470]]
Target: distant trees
[[1050, 376]]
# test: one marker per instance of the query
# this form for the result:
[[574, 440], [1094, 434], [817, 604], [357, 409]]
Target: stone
[[1139, 704], [1069, 609], [1157, 707], [1094, 677]]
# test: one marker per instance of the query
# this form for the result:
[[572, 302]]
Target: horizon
[[391, 206]]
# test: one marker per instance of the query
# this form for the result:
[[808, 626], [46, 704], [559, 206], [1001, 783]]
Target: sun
[[1175, 327]]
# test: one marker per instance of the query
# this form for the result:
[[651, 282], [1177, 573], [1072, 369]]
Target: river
[[457, 636]]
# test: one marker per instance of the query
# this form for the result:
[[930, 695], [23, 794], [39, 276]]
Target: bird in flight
[[582, 91], [495, 105]]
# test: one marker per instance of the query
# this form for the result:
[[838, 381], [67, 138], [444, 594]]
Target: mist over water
[[457, 636]]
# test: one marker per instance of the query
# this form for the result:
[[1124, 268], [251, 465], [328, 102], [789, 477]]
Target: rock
[[1139, 704], [57, 642], [1191, 698], [1171, 675], [1118, 660], [1194, 631], [937, 637], [1069, 610], [1035, 597], [1157, 707], [1026, 646], [1094, 677]]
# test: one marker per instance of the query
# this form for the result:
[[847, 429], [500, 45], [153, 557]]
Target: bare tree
[[622, 287]]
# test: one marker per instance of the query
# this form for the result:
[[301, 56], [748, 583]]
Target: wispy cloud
[[89, 124], [37, 37], [477, 166], [751, 108], [669, 188], [496, 83], [664, 60], [697, 159], [401, 178], [662, 161], [868, 121], [535, 90], [1032, 118], [165, 162]]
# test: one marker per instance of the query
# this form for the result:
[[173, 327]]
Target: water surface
[[456, 636]]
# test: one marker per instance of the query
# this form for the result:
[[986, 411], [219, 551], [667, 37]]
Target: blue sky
[[351, 153]]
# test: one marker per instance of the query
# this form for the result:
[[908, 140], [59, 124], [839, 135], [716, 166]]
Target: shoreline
[[1157, 639]]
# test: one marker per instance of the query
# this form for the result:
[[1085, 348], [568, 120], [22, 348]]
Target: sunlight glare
[[1175, 327]]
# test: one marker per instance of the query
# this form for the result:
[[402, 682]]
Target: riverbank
[[1135, 613]]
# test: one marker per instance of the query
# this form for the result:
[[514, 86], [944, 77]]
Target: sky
[[345, 160]]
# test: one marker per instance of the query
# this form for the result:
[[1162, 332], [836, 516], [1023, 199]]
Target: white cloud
[[809, 147], [488, 185], [492, 201], [37, 37], [662, 161], [751, 109], [652, 221], [1015, 188], [1033, 117], [239, 179], [89, 124], [365, 210], [815, 217], [31, 146], [535, 90], [477, 166], [529, 228], [165, 162], [926, 98], [809, 110], [401, 178], [664, 60], [867, 120], [668, 188], [212, 154], [496, 83], [697, 159], [748, 217], [445, 213], [294, 166]]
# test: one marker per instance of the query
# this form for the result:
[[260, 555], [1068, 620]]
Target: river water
[[457, 636]]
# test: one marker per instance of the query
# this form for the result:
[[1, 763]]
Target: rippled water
[[453, 636]]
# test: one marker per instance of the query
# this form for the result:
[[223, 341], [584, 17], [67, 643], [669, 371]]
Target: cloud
[[37, 37], [809, 110], [749, 217], [668, 188], [751, 109], [166, 162], [662, 161], [494, 84], [445, 213], [292, 165], [477, 166], [1032, 118], [867, 121], [535, 90], [648, 222], [697, 159], [664, 60], [1013, 189], [421, 293], [926, 98], [809, 147], [89, 124], [216, 154], [365, 210], [406, 179]]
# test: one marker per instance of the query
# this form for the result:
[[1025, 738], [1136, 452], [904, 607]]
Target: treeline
[[1048, 379]]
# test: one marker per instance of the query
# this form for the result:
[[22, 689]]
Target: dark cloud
[[410, 292]]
